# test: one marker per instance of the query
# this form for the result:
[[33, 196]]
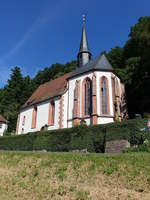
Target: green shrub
[[145, 147], [146, 135], [117, 132], [134, 127], [81, 138], [92, 138], [98, 134]]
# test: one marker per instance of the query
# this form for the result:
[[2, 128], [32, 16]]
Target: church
[[91, 94]]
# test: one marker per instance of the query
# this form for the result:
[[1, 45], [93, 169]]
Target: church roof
[[2, 119], [48, 90], [100, 63]]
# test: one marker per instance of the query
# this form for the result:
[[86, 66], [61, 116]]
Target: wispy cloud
[[48, 16], [5, 69], [40, 21]]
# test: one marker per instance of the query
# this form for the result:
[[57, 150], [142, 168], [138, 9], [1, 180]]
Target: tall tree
[[137, 49], [13, 96]]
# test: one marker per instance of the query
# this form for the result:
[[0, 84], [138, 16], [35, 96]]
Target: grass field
[[73, 176]]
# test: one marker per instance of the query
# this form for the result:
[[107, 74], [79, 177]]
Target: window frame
[[23, 121], [51, 113], [104, 100], [1, 125], [34, 117], [84, 98]]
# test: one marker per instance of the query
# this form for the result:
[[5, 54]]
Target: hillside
[[74, 176]]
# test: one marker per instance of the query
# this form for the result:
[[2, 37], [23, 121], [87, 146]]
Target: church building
[[91, 94]]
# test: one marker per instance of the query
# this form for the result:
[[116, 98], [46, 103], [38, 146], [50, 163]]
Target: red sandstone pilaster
[[61, 112], [76, 120], [94, 100]]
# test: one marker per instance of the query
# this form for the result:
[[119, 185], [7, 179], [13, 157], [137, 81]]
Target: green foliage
[[90, 138], [134, 126], [115, 56], [137, 50], [117, 131], [13, 96], [145, 147], [146, 136], [83, 195], [146, 115], [131, 63]]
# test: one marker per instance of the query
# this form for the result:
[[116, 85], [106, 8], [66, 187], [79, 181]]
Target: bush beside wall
[[92, 138]]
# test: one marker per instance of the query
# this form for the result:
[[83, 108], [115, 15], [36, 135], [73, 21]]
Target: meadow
[[74, 176]]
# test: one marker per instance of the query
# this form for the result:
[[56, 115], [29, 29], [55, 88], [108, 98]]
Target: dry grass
[[68, 176]]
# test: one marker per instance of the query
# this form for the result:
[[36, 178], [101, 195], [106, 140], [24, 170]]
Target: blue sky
[[37, 33]]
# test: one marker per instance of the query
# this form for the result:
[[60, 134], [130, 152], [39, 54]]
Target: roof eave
[[41, 101], [91, 70], [5, 122]]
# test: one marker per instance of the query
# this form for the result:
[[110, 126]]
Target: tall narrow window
[[87, 92], [113, 88], [23, 121], [22, 131], [34, 116], [51, 113], [117, 88], [104, 95]]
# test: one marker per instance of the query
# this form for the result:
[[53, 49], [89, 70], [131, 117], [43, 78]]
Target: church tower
[[84, 54]]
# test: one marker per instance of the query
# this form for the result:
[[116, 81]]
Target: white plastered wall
[[42, 117], [65, 109], [3, 128]]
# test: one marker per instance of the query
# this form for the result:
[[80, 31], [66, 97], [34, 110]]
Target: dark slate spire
[[84, 54]]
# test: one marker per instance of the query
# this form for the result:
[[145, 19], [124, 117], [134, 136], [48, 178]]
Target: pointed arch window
[[87, 97], [117, 88], [104, 95], [23, 121], [34, 117], [51, 113], [22, 131]]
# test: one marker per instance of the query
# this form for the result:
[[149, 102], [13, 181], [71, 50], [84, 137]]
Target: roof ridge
[[55, 79]]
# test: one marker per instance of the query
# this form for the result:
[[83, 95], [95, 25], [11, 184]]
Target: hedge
[[92, 138]]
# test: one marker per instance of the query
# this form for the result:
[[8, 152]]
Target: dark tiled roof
[[2, 119], [48, 90], [100, 63]]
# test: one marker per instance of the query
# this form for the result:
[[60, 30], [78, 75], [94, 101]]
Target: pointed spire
[[84, 43], [84, 54]]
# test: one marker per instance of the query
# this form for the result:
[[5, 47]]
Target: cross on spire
[[83, 18]]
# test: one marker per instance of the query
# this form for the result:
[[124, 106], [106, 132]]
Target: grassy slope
[[25, 176]]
